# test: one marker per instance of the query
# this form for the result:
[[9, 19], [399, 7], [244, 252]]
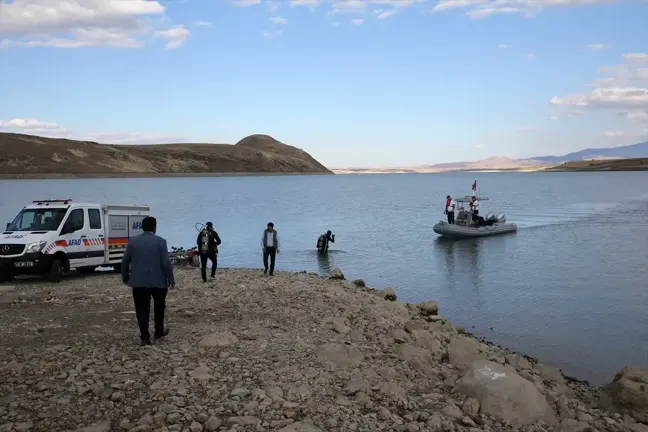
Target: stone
[[462, 352], [470, 407], [399, 336], [339, 355], [452, 411], [628, 393], [300, 427], [571, 425], [429, 307], [390, 294], [518, 362], [339, 325], [417, 358], [243, 420], [337, 274], [196, 427], [213, 424], [549, 373], [219, 339], [97, 427], [360, 283], [413, 327], [504, 395]]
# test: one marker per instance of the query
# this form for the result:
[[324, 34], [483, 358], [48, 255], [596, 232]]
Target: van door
[[73, 234], [95, 241]]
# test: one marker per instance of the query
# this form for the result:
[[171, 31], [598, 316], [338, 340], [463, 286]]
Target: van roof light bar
[[64, 201]]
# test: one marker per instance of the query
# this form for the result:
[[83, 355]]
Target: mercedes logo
[[5, 248]]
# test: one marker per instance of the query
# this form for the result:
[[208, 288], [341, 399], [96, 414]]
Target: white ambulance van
[[52, 237]]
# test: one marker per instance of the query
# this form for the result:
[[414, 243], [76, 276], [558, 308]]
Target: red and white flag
[[474, 186]]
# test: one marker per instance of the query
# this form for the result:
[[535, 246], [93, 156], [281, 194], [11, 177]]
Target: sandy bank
[[295, 352]]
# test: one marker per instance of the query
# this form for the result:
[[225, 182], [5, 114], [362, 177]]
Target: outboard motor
[[491, 217], [501, 218]]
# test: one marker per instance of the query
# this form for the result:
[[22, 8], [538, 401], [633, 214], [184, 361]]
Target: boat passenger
[[474, 208], [450, 209]]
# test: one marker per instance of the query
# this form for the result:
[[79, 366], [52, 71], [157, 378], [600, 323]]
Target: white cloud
[[477, 9], [382, 14], [273, 5], [357, 21], [245, 3], [596, 47], [203, 23], [626, 134], [503, 46], [530, 56], [624, 91], [55, 130], [85, 23], [297, 3], [272, 34], [279, 20]]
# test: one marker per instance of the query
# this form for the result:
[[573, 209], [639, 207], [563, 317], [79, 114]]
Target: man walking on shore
[[208, 242], [270, 245], [147, 269]]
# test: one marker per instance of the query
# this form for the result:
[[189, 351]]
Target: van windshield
[[38, 219]]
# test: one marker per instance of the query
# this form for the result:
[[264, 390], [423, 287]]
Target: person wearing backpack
[[208, 242], [323, 241], [270, 246]]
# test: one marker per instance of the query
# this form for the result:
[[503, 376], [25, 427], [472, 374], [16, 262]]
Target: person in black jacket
[[208, 242], [324, 240]]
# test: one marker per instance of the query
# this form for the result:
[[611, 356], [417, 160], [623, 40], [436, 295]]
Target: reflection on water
[[462, 262], [324, 263]]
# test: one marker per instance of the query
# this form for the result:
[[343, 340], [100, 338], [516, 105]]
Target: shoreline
[[64, 176], [293, 352]]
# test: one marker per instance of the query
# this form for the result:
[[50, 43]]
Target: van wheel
[[117, 268], [86, 270], [56, 271]]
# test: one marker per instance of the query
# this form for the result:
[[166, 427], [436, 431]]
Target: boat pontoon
[[465, 226]]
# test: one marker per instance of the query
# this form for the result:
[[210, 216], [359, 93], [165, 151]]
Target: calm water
[[569, 288]]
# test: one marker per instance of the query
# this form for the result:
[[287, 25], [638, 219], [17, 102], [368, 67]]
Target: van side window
[[94, 217], [76, 220]]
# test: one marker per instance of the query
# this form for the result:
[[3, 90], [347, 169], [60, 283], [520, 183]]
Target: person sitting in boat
[[450, 209], [323, 241]]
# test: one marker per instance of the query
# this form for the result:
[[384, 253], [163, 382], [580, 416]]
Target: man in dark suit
[[147, 269]]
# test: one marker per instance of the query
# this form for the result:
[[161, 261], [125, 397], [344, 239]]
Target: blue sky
[[354, 83]]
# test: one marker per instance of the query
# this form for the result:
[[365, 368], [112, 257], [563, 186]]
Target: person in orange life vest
[[450, 209]]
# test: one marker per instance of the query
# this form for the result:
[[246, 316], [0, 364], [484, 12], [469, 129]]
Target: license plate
[[24, 264]]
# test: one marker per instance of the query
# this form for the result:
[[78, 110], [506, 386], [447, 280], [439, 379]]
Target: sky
[[356, 83]]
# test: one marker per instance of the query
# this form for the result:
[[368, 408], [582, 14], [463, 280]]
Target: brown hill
[[633, 164], [35, 156]]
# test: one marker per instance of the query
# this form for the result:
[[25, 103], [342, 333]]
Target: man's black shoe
[[265, 271], [271, 273], [164, 333], [144, 342]]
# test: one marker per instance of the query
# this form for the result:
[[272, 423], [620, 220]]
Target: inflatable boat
[[466, 225]]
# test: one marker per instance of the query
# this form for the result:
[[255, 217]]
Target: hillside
[[35, 156], [622, 152], [636, 164]]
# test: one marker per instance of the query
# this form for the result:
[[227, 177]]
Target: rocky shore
[[294, 352]]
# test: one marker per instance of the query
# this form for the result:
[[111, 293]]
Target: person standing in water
[[450, 209], [270, 246], [323, 241], [208, 242]]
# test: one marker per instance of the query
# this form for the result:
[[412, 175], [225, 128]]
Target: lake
[[570, 287]]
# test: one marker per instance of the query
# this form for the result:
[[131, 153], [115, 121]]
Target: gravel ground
[[293, 352]]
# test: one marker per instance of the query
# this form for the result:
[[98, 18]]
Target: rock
[[413, 327], [23, 427], [339, 355], [348, 285], [339, 325], [628, 393], [390, 294], [518, 362], [417, 358], [399, 336], [212, 424], [117, 396], [243, 420], [97, 427], [220, 339], [549, 373], [201, 373], [571, 425], [462, 352], [240, 392], [429, 307], [452, 411], [504, 395], [196, 427], [360, 283], [300, 427], [337, 274], [470, 407]]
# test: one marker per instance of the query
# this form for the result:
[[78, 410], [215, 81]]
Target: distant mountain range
[[499, 163]]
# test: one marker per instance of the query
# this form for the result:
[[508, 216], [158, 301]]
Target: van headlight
[[35, 247]]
